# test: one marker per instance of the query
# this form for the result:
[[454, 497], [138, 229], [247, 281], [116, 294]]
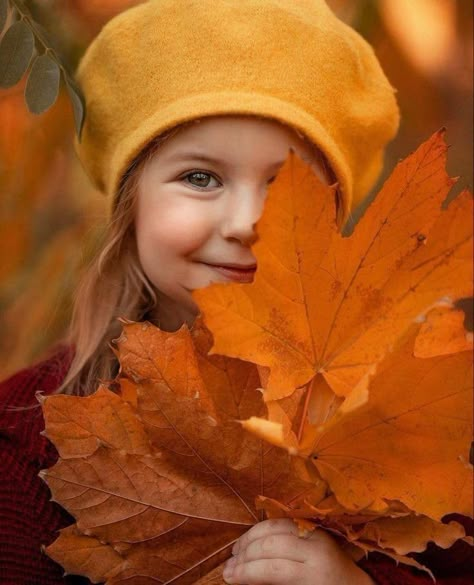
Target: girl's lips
[[235, 274]]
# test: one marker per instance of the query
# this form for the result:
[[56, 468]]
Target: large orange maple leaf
[[323, 303]]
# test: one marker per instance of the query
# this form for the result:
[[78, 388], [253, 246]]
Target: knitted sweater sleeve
[[29, 520]]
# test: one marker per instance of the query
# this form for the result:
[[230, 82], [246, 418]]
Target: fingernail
[[229, 569]]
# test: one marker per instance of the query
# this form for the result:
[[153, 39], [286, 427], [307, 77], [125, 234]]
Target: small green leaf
[[42, 86], [16, 50], [78, 104], [3, 13]]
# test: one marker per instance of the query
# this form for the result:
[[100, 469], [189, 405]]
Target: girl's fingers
[[274, 526], [277, 546], [270, 527], [262, 572]]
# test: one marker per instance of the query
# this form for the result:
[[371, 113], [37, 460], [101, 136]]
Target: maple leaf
[[408, 440], [147, 473], [323, 303]]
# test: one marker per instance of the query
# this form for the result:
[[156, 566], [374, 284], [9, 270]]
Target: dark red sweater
[[29, 520]]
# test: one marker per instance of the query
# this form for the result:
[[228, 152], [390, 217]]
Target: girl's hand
[[271, 553]]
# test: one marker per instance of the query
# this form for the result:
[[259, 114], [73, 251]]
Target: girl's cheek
[[181, 226]]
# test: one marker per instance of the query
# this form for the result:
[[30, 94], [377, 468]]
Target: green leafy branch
[[24, 47]]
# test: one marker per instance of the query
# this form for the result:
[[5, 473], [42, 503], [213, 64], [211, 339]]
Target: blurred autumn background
[[50, 216]]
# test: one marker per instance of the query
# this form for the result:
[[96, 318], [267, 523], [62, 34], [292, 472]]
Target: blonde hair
[[114, 285]]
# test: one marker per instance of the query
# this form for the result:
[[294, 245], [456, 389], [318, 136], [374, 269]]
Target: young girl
[[192, 107]]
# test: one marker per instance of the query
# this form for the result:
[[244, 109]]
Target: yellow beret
[[165, 62]]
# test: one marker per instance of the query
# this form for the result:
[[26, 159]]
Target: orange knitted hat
[[165, 62]]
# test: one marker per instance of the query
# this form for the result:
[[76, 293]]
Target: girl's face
[[199, 199]]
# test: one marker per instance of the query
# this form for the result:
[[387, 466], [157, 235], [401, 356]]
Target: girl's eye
[[202, 177], [201, 180]]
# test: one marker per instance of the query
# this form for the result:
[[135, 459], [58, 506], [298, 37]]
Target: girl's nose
[[240, 215]]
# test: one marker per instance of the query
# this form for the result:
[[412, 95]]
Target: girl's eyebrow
[[182, 156]]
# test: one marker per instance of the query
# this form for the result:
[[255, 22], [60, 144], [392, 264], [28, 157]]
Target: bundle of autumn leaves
[[335, 390]]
